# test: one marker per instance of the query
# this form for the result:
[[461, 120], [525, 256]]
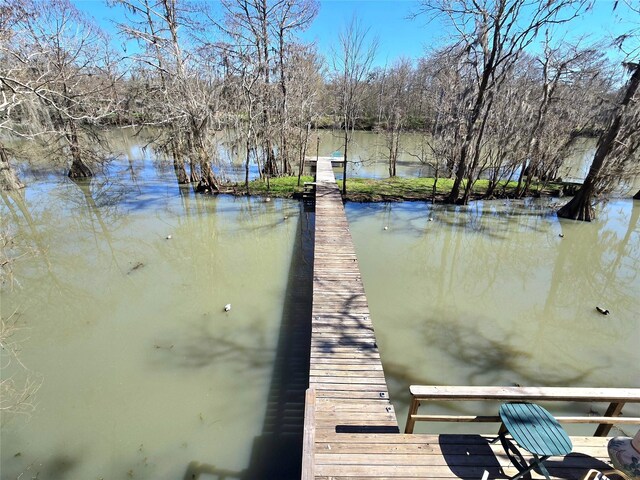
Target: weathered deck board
[[341, 456], [345, 372]]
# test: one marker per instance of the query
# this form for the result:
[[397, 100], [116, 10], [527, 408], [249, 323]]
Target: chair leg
[[537, 462], [615, 471], [502, 431], [543, 469]]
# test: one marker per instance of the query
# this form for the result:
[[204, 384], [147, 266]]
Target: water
[[143, 374], [368, 155], [491, 294]]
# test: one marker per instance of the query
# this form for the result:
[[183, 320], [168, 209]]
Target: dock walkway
[[345, 369], [351, 430]]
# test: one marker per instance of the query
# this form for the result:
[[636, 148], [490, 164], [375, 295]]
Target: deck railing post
[[413, 409], [309, 435], [614, 410]]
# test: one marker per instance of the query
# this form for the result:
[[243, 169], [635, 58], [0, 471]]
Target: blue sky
[[387, 19]]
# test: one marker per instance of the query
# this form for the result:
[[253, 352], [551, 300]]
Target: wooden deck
[[350, 430], [345, 369], [368, 456]]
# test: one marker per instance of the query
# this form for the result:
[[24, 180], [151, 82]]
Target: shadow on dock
[[277, 453]]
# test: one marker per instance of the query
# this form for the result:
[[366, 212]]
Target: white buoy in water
[[268, 199], [386, 228], [168, 237], [227, 307]]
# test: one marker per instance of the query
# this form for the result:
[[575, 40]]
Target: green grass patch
[[386, 189], [281, 187]]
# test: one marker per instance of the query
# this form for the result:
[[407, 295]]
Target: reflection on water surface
[[492, 294], [145, 375]]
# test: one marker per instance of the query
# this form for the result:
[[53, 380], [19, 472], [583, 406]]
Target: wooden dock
[[345, 369], [350, 427]]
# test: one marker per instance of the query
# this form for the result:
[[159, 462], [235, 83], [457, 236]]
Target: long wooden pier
[[350, 430], [345, 369]]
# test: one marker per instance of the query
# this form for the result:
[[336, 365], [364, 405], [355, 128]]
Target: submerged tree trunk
[[79, 168], [344, 165], [208, 181], [8, 179], [246, 165], [580, 207], [194, 175], [178, 165]]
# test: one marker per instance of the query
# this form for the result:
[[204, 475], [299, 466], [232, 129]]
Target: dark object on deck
[[367, 429]]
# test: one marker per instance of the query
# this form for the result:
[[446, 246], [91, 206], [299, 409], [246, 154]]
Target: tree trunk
[[208, 181], [344, 165], [178, 165], [580, 207], [460, 174], [78, 169], [246, 164], [8, 179], [194, 176]]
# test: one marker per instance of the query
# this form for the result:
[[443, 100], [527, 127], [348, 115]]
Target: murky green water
[[145, 376], [491, 294], [368, 154]]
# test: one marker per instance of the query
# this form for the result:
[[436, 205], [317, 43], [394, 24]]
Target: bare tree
[[629, 43], [394, 108], [290, 16], [617, 152], [447, 100], [617, 147], [305, 85], [491, 35], [183, 86], [12, 95], [57, 80], [352, 60], [260, 42]]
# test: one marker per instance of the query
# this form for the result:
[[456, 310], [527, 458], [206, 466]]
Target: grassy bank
[[389, 189]]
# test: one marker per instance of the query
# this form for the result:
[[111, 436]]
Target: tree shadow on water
[[277, 452]]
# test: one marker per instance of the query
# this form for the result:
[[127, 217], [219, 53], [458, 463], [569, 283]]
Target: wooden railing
[[615, 397], [309, 435]]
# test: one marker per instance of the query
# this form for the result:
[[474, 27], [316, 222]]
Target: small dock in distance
[[350, 427], [333, 161]]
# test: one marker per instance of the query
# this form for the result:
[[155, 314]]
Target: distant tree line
[[504, 98]]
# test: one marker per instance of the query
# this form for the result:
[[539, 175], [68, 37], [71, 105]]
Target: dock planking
[[345, 368], [351, 430]]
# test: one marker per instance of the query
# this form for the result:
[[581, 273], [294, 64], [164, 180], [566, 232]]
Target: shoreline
[[397, 189]]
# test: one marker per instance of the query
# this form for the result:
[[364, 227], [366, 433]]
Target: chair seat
[[535, 429]]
